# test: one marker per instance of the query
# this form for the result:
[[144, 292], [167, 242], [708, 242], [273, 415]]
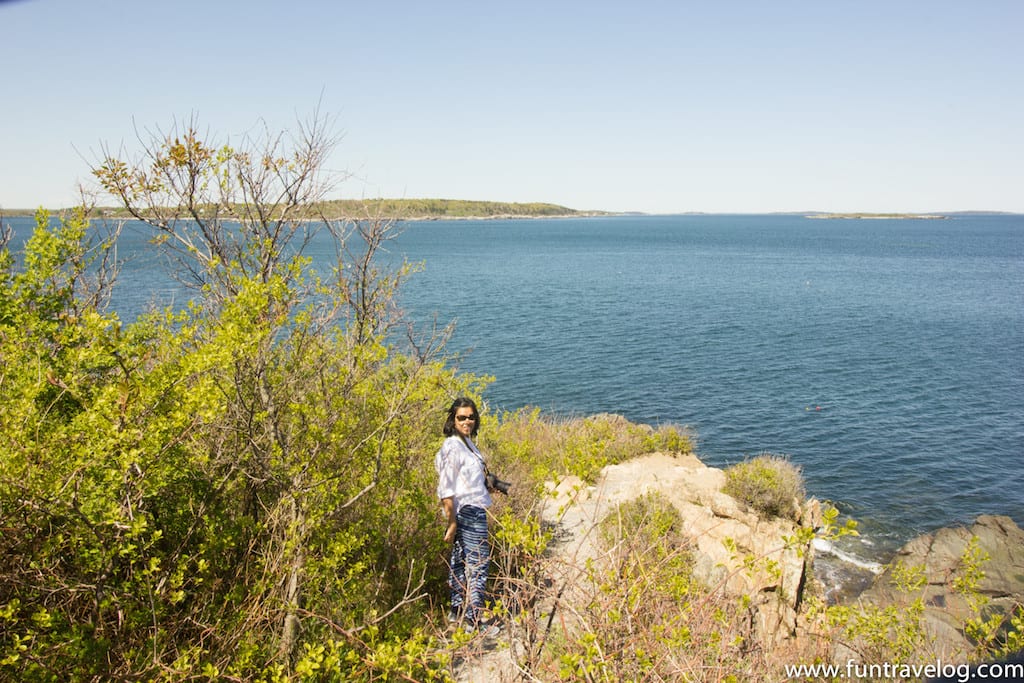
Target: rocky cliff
[[744, 555]]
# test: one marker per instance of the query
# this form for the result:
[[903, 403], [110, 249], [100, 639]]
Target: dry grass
[[635, 613]]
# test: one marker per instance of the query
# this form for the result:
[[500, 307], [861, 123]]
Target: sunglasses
[[464, 418]]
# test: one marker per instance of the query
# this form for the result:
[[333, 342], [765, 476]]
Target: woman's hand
[[448, 505]]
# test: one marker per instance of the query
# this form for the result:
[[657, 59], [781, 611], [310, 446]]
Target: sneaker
[[454, 616]]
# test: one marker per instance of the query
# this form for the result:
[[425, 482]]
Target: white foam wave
[[828, 548]]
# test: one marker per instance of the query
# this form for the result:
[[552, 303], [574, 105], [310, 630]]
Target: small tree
[[315, 409]]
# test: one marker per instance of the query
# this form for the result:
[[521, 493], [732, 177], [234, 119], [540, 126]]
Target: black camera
[[495, 484]]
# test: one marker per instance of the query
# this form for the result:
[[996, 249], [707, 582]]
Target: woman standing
[[462, 488]]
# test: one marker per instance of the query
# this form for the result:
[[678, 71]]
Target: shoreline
[[500, 217], [879, 216]]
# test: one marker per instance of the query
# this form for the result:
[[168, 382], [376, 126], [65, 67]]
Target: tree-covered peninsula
[[378, 208], [448, 208]]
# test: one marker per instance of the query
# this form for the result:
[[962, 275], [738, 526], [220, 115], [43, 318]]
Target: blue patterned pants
[[471, 559]]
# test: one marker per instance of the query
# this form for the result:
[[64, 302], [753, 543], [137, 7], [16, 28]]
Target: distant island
[[401, 209], [889, 216]]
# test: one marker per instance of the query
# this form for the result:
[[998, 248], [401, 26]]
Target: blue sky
[[718, 106]]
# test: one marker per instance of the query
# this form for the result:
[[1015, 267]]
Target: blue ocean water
[[885, 357]]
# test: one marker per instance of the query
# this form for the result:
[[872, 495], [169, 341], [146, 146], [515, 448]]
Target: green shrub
[[770, 484]]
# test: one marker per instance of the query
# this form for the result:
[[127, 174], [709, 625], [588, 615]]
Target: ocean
[[884, 357]]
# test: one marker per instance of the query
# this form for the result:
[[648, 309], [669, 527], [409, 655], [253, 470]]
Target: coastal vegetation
[[446, 208], [375, 209], [243, 489]]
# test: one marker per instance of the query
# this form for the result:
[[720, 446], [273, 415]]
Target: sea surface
[[884, 357]]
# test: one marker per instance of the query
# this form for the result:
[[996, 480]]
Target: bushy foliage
[[239, 488], [770, 484]]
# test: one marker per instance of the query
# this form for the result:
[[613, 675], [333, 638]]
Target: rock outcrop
[[725, 536], [942, 555]]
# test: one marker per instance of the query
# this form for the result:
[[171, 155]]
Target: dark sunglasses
[[463, 418]]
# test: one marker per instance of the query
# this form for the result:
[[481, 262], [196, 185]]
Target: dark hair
[[449, 423]]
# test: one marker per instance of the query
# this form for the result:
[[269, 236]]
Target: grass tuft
[[770, 484]]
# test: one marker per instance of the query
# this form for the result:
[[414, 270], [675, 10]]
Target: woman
[[462, 488]]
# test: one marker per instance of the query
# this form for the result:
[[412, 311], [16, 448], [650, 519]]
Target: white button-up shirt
[[461, 473]]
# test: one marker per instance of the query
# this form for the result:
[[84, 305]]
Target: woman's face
[[465, 420]]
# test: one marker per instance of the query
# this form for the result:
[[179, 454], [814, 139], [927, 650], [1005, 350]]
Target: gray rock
[[941, 554]]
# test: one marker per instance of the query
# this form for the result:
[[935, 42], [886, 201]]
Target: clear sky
[[639, 105]]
